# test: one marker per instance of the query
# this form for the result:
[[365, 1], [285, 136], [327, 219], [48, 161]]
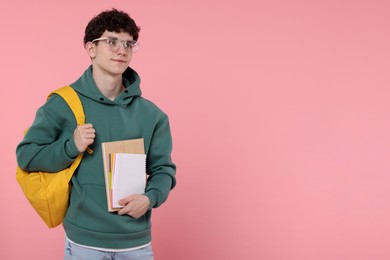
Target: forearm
[[158, 188], [160, 167], [48, 144], [50, 158]]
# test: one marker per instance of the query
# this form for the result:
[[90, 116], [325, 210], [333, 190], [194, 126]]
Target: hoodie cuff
[[71, 149], [152, 195]]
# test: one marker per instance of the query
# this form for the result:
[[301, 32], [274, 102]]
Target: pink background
[[279, 112]]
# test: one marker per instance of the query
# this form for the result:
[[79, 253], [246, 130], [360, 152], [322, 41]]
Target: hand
[[134, 205], [84, 135]]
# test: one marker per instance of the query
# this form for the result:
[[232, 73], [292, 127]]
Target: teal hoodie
[[49, 146]]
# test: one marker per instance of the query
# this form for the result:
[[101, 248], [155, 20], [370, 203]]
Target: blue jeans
[[75, 252]]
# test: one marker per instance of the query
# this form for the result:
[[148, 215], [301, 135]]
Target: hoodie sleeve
[[48, 144], [160, 167]]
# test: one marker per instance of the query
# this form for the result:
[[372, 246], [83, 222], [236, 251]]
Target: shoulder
[[55, 102], [150, 106], [56, 107]]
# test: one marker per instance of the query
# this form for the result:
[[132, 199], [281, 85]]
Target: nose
[[121, 50]]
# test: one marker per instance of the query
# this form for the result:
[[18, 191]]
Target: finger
[[87, 125], [88, 136], [126, 200], [122, 202], [122, 211], [86, 131], [88, 142], [126, 210]]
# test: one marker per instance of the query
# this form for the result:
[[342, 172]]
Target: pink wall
[[279, 111]]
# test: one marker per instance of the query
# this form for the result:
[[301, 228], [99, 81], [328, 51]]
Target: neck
[[110, 86]]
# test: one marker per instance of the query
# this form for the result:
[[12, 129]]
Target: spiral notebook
[[124, 165], [127, 176]]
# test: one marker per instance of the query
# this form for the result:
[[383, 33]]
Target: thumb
[[122, 202], [126, 200]]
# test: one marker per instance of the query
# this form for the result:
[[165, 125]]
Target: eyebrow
[[116, 38]]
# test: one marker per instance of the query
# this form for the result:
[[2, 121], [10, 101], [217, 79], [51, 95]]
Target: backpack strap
[[72, 99]]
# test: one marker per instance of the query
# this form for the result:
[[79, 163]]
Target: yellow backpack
[[48, 193]]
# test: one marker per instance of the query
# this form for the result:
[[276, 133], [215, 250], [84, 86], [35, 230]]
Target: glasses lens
[[113, 43], [134, 46], [128, 44]]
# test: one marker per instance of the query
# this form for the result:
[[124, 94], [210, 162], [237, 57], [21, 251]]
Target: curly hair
[[112, 21]]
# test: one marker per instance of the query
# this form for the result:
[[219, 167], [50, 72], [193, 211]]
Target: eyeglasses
[[114, 43]]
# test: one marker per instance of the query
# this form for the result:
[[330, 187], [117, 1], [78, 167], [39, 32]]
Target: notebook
[[127, 176]]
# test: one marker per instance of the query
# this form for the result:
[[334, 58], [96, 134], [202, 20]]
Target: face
[[108, 59]]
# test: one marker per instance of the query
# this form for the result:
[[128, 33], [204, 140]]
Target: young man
[[110, 93]]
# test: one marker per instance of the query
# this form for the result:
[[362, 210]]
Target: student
[[111, 96]]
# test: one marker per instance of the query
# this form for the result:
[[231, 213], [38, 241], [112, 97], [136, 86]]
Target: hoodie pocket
[[93, 214]]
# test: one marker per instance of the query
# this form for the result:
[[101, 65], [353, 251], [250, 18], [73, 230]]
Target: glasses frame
[[133, 45]]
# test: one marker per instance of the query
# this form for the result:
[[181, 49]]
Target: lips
[[121, 61]]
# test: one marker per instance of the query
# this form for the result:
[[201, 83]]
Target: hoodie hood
[[86, 86]]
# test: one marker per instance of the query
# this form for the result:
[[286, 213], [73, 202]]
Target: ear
[[90, 48]]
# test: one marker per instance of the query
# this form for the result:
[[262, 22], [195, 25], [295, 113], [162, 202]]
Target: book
[[109, 149]]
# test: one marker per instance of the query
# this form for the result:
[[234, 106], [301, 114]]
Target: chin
[[118, 71]]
